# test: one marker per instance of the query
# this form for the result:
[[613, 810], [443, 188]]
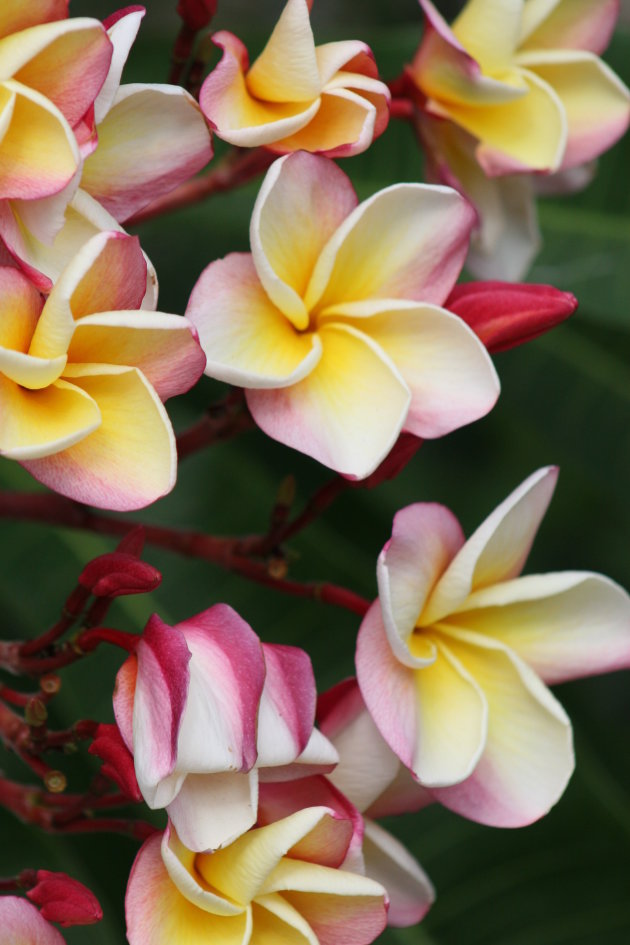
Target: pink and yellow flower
[[207, 710], [141, 142], [453, 657], [296, 95], [83, 376], [334, 324], [277, 883], [516, 88]]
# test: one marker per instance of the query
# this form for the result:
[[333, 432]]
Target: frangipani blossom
[[50, 75], [296, 95], [277, 883], [333, 324], [453, 657], [83, 376], [205, 707], [515, 89], [21, 922], [144, 140]]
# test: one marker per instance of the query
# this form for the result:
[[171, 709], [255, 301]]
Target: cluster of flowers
[[345, 328]]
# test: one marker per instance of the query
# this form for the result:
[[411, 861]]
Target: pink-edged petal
[[403, 796], [39, 152], [162, 682], [158, 913], [490, 30], [434, 718], [344, 125], [347, 413], [596, 102], [22, 922], [528, 757], [499, 547], [218, 731], [127, 463], [212, 810], [245, 868], [124, 693], [348, 56], [448, 371], [122, 33], [569, 24], [406, 242], [45, 217], [425, 538], [410, 891], [564, 626], [329, 843], [162, 346], [17, 294], [66, 61], [247, 340], [234, 114], [287, 69], [41, 423], [302, 201], [15, 15], [287, 706], [109, 272], [444, 70], [152, 139], [338, 905]]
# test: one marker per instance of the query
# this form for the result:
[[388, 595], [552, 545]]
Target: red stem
[[221, 422]]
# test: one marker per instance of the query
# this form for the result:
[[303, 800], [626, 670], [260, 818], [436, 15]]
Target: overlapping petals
[[275, 883], [333, 324], [83, 376], [513, 89], [453, 658], [204, 707], [296, 95]]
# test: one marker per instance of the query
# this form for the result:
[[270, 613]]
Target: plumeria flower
[[83, 376], [142, 142], [207, 710], [516, 89], [453, 657], [21, 922], [333, 323], [277, 883], [296, 95]]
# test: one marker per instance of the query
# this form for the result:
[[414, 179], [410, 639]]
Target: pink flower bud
[[505, 314], [117, 760], [117, 574], [64, 900], [196, 13]]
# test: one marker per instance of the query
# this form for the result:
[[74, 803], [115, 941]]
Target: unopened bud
[[64, 900], [506, 314], [196, 14], [117, 574]]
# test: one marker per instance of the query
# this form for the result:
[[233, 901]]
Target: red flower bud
[[64, 900], [117, 760], [117, 573], [196, 13], [505, 314]]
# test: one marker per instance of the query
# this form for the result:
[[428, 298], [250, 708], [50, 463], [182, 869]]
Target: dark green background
[[565, 400]]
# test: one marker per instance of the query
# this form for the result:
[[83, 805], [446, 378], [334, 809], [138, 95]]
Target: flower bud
[[196, 13], [506, 314], [64, 900], [117, 760], [117, 574]]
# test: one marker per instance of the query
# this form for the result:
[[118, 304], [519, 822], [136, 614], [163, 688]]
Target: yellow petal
[[490, 30], [286, 70]]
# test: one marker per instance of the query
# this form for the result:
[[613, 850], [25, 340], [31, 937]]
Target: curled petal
[[212, 810], [287, 69], [287, 707], [130, 460], [122, 30], [345, 124]]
